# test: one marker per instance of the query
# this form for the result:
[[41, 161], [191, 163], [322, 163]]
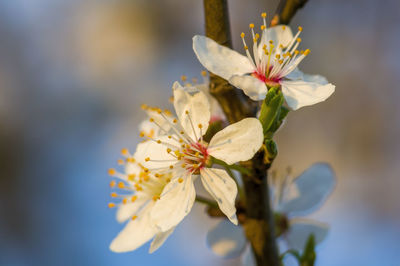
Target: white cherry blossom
[[184, 156], [291, 197], [272, 62]]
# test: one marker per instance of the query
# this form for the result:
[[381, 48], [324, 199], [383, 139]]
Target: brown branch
[[286, 11], [233, 101]]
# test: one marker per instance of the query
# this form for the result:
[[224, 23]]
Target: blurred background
[[74, 73]]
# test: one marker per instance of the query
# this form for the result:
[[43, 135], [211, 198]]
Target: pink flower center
[[196, 157], [271, 82]]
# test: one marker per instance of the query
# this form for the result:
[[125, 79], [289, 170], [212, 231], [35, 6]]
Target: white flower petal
[[215, 108], [126, 211], [159, 239], [237, 142], [296, 74], [314, 186], [174, 204], [226, 240], [223, 188], [251, 86], [301, 229], [136, 233], [157, 152], [300, 93], [280, 34], [194, 102], [219, 59]]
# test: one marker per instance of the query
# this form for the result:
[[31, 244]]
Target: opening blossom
[[291, 197], [274, 63], [184, 155], [139, 193]]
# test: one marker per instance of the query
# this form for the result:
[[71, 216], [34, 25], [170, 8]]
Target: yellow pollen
[[134, 217], [183, 165], [187, 112], [183, 78], [283, 27], [131, 177], [306, 52], [197, 154], [175, 121], [194, 80], [257, 35], [111, 205], [141, 134], [204, 73], [147, 159], [180, 180], [242, 35], [251, 25], [296, 52], [195, 165], [298, 39], [151, 119], [168, 150], [112, 184], [124, 151], [300, 28], [278, 56], [168, 180], [159, 141], [182, 132], [134, 198], [144, 106], [171, 99], [121, 184], [130, 160], [171, 166], [200, 126], [120, 161], [155, 197], [246, 47], [280, 62], [114, 195], [124, 201], [263, 27], [111, 171], [180, 140], [145, 170], [138, 187], [264, 15]]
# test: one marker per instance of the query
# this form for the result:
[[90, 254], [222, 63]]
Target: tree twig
[[286, 10]]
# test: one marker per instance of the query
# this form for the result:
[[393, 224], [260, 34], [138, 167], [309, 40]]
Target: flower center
[[271, 82], [195, 157]]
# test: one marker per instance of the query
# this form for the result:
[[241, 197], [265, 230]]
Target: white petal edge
[[237, 142], [226, 240], [215, 108], [314, 186], [136, 233], [220, 60], [251, 86], [195, 102], [299, 93], [222, 188], [174, 204], [301, 229], [126, 211], [159, 239]]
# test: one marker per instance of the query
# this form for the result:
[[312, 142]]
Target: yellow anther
[[170, 137], [159, 111], [138, 187], [114, 195], [134, 198], [246, 47], [145, 170], [264, 15], [174, 121], [283, 27], [141, 134], [180, 140], [124, 151], [194, 80], [131, 177], [271, 42], [130, 160], [306, 52], [296, 52], [300, 28], [180, 180], [159, 141], [204, 73], [183, 165], [168, 150], [124, 201], [183, 78], [257, 35], [111, 205], [134, 217], [263, 27], [177, 153], [121, 184], [200, 125], [112, 171], [155, 197], [197, 154], [168, 180], [171, 167], [151, 119], [120, 161], [298, 39], [251, 25], [182, 132], [147, 159], [187, 112], [278, 56], [242, 35], [195, 165], [280, 61]]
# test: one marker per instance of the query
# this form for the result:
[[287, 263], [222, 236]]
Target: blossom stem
[[236, 167], [206, 201]]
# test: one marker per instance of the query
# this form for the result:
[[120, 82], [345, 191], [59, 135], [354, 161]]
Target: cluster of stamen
[[276, 59], [137, 184]]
